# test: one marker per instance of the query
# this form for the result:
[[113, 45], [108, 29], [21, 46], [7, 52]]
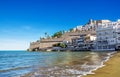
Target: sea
[[50, 64]]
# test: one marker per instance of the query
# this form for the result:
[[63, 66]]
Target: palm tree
[[46, 34]]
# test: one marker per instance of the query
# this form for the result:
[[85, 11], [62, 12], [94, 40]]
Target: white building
[[78, 28], [108, 36], [84, 41], [118, 35], [90, 40]]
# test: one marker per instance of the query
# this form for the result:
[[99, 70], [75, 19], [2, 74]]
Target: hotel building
[[108, 36]]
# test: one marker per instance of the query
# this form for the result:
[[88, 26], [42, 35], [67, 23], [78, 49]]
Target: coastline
[[91, 72], [109, 69]]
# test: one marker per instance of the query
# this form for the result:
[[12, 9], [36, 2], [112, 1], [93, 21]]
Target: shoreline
[[110, 68], [91, 72]]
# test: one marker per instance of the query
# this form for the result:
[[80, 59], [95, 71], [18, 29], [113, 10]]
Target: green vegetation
[[71, 30], [58, 34], [47, 35], [27, 49], [55, 35], [87, 37], [62, 45], [38, 41]]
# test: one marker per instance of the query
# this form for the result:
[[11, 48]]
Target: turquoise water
[[21, 63]]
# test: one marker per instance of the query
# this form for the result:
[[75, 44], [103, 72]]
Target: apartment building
[[108, 35], [85, 41]]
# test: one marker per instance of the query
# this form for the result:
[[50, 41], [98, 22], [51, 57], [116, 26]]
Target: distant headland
[[95, 35]]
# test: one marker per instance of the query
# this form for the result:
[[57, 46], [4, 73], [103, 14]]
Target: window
[[99, 33], [100, 38], [106, 33], [118, 38], [104, 47], [112, 40], [118, 32], [99, 47], [106, 37], [113, 36], [114, 24]]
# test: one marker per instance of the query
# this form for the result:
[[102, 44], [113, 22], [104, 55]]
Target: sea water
[[50, 64]]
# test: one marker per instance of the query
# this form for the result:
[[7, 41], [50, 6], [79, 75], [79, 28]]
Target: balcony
[[105, 42]]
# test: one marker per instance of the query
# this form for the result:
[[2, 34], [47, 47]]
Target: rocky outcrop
[[45, 44]]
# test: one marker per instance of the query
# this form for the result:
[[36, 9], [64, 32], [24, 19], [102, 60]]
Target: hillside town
[[95, 35]]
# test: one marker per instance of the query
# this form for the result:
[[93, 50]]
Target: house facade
[[84, 42], [108, 36]]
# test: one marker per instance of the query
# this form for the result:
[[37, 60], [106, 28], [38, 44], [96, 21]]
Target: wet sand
[[111, 68]]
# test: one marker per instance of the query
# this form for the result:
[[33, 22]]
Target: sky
[[25, 21]]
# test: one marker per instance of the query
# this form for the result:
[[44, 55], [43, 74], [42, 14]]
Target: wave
[[100, 66], [16, 68], [75, 71]]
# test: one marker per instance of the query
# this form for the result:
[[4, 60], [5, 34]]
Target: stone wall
[[34, 45], [47, 43]]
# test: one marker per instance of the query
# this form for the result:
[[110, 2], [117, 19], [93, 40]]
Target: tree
[[62, 45], [71, 29], [46, 34], [57, 34]]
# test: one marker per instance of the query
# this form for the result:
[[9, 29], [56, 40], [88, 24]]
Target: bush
[[62, 45], [58, 34]]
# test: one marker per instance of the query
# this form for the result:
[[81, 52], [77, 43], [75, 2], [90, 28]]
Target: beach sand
[[111, 68]]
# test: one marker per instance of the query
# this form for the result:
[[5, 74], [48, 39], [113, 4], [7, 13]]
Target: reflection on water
[[46, 64], [74, 58], [70, 64]]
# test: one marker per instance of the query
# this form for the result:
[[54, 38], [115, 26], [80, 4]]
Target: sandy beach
[[111, 68]]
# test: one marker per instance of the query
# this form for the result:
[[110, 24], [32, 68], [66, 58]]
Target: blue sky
[[22, 21]]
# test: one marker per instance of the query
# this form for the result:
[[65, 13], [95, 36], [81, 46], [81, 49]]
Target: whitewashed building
[[108, 36], [118, 35], [84, 41], [78, 28]]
